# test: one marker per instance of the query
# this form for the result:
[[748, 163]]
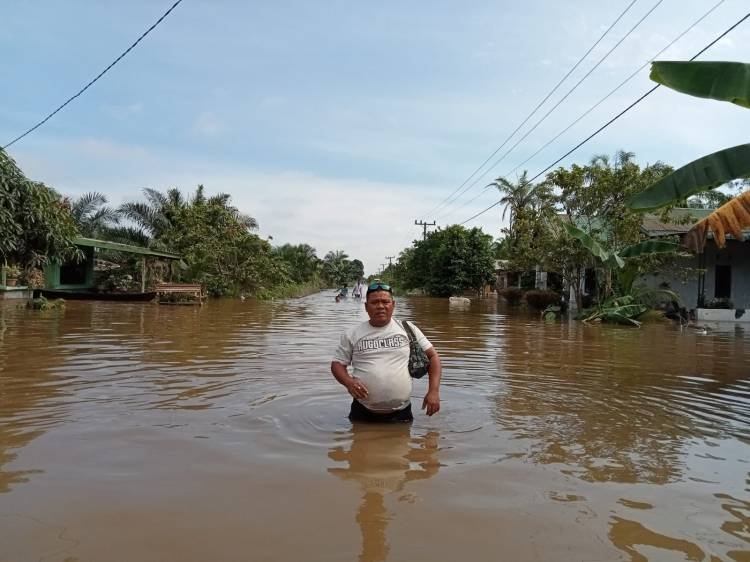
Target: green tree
[[93, 217], [301, 260], [35, 222], [515, 196], [356, 270], [448, 262], [593, 197], [723, 81], [337, 268]]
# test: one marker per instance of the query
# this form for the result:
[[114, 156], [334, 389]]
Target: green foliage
[[723, 81], [588, 242], [94, 219], [699, 175], [12, 271], [538, 299], [338, 270], [35, 223], [448, 262], [512, 295], [356, 270], [43, 304], [301, 261], [721, 303], [592, 200], [217, 244]]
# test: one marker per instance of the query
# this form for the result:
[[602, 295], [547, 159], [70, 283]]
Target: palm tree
[[515, 197], [92, 216], [336, 267], [152, 218]]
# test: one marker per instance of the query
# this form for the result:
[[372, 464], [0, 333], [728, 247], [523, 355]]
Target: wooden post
[[143, 274]]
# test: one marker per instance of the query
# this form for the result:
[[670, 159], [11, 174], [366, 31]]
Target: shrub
[[540, 299], [719, 303], [43, 304], [34, 278], [511, 295]]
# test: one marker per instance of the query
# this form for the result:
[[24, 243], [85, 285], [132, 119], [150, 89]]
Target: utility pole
[[389, 258], [424, 225]]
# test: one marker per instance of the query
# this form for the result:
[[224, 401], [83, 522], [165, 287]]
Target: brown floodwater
[[138, 432]]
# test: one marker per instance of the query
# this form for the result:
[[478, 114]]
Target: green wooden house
[[80, 275]]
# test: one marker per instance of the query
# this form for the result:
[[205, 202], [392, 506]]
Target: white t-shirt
[[380, 359]]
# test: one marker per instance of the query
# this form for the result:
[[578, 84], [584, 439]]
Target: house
[[718, 277], [706, 281], [78, 277]]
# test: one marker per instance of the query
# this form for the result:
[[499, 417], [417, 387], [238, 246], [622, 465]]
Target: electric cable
[[620, 85], [608, 123], [540, 121], [597, 104], [530, 115], [86, 87]]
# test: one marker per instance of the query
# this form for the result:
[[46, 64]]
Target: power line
[[559, 102], [597, 104], [608, 123], [620, 85], [102, 73], [530, 115]]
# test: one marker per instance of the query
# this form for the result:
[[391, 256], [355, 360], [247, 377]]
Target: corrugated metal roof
[[106, 245]]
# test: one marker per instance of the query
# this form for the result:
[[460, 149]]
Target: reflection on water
[[600, 441], [381, 459]]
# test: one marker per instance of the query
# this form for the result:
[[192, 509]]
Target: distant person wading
[[378, 351]]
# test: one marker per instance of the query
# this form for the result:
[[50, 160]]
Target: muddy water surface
[[145, 433]]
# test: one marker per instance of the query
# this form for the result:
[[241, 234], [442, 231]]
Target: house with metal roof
[[75, 279], [718, 278]]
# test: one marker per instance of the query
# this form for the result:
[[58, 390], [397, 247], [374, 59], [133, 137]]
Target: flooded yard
[[139, 432]]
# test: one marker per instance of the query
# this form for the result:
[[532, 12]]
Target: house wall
[[736, 254], [52, 273]]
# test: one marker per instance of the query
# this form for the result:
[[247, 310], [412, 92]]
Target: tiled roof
[[683, 220]]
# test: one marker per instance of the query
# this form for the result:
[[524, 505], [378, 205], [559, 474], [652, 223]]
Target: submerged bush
[[43, 304], [539, 299], [512, 295]]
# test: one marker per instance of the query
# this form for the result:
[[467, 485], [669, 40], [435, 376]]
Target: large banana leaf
[[700, 175], [588, 242], [723, 81], [648, 247]]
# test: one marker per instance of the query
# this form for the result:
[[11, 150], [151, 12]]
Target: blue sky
[[339, 123]]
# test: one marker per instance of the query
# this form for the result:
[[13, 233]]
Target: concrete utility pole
[[424, 225], [389, 258]]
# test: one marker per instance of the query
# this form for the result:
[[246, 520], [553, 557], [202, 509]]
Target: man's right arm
[[353, 385]]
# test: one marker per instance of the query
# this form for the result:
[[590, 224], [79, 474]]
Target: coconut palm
[[516, 197]]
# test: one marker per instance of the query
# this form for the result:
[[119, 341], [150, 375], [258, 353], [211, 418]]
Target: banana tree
[[723, 81], [628, 303]]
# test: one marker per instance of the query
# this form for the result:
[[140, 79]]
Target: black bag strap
[[409, 332]]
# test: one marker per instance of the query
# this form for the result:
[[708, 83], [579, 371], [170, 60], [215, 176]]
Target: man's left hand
[[431, 402]]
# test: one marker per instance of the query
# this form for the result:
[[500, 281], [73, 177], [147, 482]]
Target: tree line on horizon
[[218, 244]]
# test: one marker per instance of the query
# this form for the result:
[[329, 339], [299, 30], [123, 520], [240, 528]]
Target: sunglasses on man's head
[[379, 287]]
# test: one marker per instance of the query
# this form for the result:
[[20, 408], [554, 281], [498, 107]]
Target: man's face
[[379, 306]]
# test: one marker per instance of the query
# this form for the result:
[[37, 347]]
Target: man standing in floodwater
[[359, 288], [378, 351]]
